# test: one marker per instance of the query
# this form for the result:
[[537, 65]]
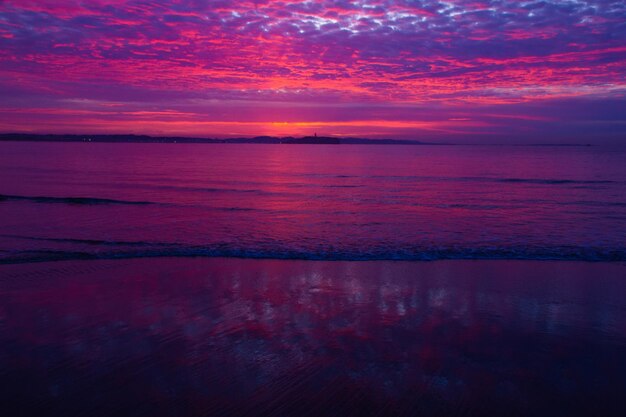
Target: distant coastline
[[290, 140], [265, 140]]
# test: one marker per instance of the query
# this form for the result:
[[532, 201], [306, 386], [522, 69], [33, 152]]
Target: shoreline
[[87, 257], [194, 259], [236, 258], [245, 337]]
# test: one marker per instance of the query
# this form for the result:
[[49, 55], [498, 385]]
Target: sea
[[64, 201], [248, 280]]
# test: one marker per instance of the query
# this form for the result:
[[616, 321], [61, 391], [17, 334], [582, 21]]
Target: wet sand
[[244, 337]]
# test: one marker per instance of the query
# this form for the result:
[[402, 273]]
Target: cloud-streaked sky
[[475, 70]]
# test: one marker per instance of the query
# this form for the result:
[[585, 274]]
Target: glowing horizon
[[489, 70]]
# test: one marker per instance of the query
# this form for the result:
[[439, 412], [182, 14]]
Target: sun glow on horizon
[[371, 68]]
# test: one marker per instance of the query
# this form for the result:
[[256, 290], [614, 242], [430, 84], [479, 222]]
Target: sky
[[493, 71]]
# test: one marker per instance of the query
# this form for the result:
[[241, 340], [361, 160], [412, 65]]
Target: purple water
[[187, 332], [88, 200], [244, 337]]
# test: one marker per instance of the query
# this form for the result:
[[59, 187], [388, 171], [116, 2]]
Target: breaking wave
[[105, 249], [71, 200]]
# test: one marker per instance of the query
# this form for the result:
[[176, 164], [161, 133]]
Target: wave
[[86, 241], [593, 203], [210, 190], [71, 200], [552, 181], [545, 181], [105, 201], [117, 250]]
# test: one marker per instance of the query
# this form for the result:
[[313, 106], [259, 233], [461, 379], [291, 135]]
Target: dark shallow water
[[243, 337], [88, 200]]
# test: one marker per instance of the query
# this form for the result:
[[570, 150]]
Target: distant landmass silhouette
[[308, 140], [271, 140]]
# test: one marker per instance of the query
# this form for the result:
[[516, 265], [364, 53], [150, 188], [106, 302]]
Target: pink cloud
[[375, 53]]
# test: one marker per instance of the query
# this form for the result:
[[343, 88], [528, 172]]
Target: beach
[[225, 336], [311, 280]]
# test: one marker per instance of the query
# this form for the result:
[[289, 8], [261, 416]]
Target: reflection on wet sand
[[278, 338]]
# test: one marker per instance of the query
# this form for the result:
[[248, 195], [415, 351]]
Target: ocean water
[[177, 328], [98, 200]]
